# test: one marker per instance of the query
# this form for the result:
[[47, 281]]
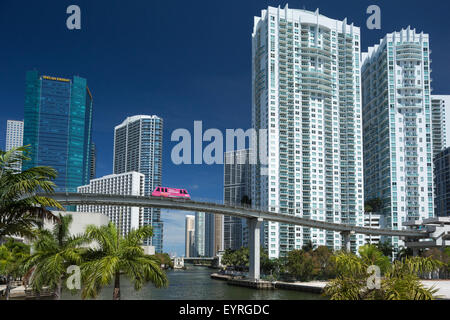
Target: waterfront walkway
[[311, 286], [443, 286]]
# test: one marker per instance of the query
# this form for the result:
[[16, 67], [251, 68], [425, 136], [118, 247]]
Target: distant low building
[[150, 250], [372, 220], [178, 263]]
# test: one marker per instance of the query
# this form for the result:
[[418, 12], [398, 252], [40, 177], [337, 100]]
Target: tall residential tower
[[306, 93], [189, 236], [398, 166], [14, 137], [440, 122], [204, 235], [236, 191], [138, 147]]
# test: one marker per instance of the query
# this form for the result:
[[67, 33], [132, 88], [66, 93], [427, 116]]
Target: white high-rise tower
[[14, 137], [129, 183], [398, 149], [440, 122], [189, 236], [306, 93], [138, 147]]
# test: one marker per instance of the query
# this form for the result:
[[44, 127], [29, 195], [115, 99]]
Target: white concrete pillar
[[346, 245], [254, 227]]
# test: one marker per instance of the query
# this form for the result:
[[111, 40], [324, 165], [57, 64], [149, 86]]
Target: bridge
[[179, 262], [255, 218], [193, 259]]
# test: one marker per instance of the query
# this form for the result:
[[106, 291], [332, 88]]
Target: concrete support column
[[346, 245], [254, 227]]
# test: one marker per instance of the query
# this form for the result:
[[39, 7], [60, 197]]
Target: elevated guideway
[[237, 211], [255, 218]]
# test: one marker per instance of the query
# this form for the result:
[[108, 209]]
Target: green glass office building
[[58, 127]]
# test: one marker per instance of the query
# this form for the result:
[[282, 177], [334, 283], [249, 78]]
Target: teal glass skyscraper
[[58, 127]]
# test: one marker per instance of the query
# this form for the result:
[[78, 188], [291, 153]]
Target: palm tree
[[400, 281], [309, 246], [20, 208], [371, 255], [54, 252], [404, 252], [373, 205], [115, 254], [12, 255], [385, 248]]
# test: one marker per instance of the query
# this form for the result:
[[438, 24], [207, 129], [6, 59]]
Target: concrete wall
[[81, 220]]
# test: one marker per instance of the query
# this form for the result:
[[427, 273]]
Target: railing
[[45, 292]]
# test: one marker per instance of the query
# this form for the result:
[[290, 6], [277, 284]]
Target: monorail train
[[170, 193]]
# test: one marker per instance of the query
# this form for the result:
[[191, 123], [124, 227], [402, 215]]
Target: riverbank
[[193, 283], [312, 286], [316, 287], [22, 292]]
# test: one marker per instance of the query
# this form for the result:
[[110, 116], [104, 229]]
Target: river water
[[195, 283]]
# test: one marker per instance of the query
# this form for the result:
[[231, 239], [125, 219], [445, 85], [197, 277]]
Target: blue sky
[[181, 60]]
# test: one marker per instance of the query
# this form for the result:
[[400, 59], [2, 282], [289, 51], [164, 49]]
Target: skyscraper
[[189, 236], [204, 234], [14, 137], [442, 183], [237, 191], [398, 166], [138, 147], [129, 183], [306, 93], [440, 122], [58, 126], [218, 234]]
